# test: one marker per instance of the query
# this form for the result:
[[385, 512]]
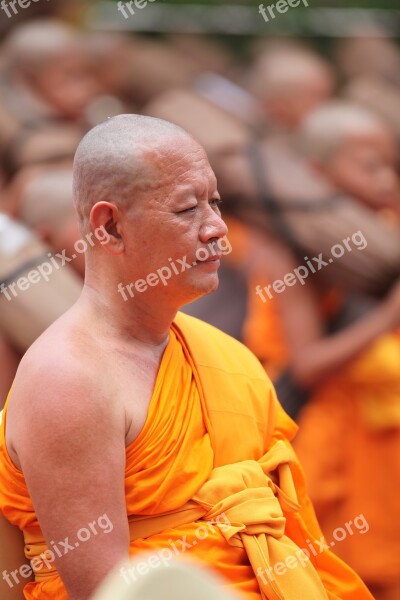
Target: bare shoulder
[[62, 387], [61, 360]]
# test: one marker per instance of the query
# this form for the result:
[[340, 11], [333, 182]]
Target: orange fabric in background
[[239, 237], [263, 330], [212, 408], [352, 424], [348, 444]]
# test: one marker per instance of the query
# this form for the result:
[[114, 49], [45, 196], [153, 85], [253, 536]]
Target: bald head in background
[[47, 199], [290, 81], [33, 44], [46, 205], [48, 60], [355, 150]]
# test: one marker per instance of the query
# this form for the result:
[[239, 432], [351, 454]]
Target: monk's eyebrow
[[193, 192], [182, 199], [206, 191]]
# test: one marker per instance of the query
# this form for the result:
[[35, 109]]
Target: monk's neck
[[127, 321]]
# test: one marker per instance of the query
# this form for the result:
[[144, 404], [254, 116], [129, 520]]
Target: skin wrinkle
[[180, 169], [183, 170]]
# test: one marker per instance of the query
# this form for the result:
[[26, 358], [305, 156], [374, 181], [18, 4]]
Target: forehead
[[183, 162]]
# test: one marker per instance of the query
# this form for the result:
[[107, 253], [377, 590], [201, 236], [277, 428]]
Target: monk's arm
[[70, 443], [315, 355]]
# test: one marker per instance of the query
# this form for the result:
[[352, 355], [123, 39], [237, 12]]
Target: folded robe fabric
[[215, 438]]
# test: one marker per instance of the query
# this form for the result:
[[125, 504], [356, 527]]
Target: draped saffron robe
[[215, 443]]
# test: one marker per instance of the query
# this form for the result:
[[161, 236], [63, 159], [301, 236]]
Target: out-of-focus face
[[365, 168], [292, 105], [177, 222], [68, 84]]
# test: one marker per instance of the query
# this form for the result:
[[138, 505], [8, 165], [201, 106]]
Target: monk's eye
[[191, 209], [216, 202]]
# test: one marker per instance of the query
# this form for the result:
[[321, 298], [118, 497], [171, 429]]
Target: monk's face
[[68, 85], [177, 226], [365, 168]]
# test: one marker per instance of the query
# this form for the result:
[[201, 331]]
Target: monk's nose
[[213, 227]]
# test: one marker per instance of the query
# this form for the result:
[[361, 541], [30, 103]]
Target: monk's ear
[[106, 217]]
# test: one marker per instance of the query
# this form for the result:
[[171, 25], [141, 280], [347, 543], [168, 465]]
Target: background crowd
[[305, 146]]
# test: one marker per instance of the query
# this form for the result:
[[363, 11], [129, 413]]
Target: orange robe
[[216, 442], [348, 444]]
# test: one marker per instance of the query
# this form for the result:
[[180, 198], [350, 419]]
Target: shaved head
[[150, 186], [33, 44], [290, 82], [327, 128], [355, 151], [118, 159], [47, 199], [278, 71]]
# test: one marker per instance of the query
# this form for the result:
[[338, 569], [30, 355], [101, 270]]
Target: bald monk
[[289, 81], [356, 151], [44, 203], [141, 423], [45, 144], [48, 75]]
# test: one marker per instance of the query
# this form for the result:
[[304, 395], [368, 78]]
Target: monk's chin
[[204, 288], [212, 288]]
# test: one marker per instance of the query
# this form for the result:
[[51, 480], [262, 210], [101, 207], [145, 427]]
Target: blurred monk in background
[[48, 74], [356, 151], [343, 351], [289, 80]]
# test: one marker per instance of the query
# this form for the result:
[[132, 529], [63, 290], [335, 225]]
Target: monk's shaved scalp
[[31, 45], [47, 199], [279, 70], [327, 128], [116, 160]]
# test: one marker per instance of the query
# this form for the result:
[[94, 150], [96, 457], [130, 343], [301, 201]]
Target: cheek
[[359, 180], [181, 243], [66, 93], [158, 236], [348, 173]]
